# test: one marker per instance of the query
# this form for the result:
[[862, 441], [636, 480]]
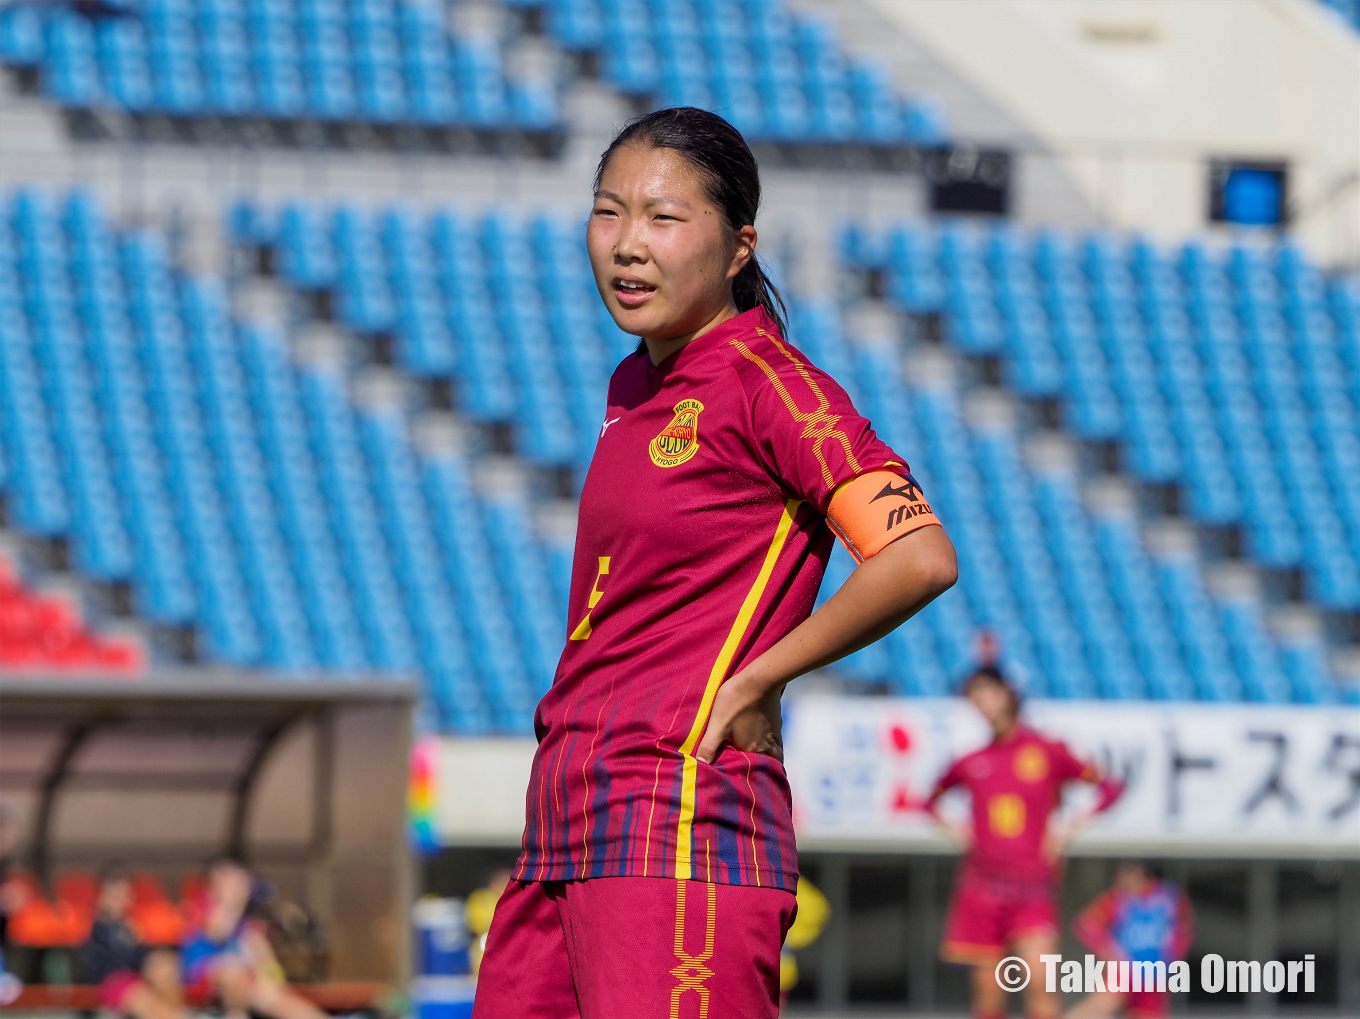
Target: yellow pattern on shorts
[[693, 970]]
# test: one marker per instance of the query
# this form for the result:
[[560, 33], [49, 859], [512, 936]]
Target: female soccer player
[[1006, 898], [1145, 919], [658, 871]]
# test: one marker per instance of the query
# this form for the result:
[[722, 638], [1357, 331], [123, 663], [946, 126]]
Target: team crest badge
[[679, 440], [1031, 764]]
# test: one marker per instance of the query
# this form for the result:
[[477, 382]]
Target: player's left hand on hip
[[746, 717]]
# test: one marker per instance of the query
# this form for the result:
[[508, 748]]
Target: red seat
[[45, 631], [36, 923], [153, 916], [157, 923], [80, 889]]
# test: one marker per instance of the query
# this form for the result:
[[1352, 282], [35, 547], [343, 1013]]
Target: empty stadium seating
[[1082, 606], [779, 76], [1080, 603], [776, 75], [378, 62], [296, 507], [451, 291], [1227, 373], [252, 499]]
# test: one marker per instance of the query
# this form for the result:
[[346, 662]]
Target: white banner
[[1203, 779]]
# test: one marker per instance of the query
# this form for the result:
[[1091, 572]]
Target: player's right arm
[[962, 834], [1092, 928]]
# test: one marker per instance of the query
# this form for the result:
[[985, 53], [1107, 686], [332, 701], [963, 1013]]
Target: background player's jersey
[[1150, 926], [702, 541], [1015, 784]]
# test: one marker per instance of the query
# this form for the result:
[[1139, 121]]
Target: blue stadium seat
[[481, 83], [424, 343], [456, 518], [303, 518], [577, 25], [306, 255], [125, 62], [236, 445], [163, 588], [70, 64], [366, 554], [102, 547], [21, 35], [230, 627]]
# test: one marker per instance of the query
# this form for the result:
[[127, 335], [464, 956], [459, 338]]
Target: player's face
[[115, 897], [662, 256], [230, 883], [1130, 878], [992, 702]]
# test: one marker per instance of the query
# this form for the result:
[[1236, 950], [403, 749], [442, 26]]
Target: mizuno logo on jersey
[[910, 491]]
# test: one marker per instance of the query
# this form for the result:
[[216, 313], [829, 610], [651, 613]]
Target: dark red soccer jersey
[[702, 541], [1015, 784]]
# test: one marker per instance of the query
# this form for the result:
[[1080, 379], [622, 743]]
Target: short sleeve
[[952, 776], [1067, 766], [808, 431]]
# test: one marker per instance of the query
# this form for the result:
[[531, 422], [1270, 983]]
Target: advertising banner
[[1211, 779]]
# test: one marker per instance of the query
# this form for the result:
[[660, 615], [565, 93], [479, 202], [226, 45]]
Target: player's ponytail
[[731, 180]]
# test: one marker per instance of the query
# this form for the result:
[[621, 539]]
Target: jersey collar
[[743, 324]]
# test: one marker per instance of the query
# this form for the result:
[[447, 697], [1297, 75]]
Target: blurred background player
[[10, 985], [133, 979], [813, 913], [478, 911], [229, 959], [1005, 900], [1140, 917]]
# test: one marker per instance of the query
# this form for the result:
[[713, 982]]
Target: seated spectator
[[229, 958], [10, 985], [133, 980]]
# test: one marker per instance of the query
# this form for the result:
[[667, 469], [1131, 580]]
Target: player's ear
[[744, 250]]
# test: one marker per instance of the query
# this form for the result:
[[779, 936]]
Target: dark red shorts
[[1147, 1004], [645, 948], [989, 912]]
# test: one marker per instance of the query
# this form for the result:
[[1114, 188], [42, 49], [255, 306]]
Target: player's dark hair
[[1148, 867], [992, 674], [730, 178]]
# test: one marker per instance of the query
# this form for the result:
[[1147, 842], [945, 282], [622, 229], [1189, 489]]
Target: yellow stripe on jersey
[[684, 866], [583, 628], [818, 424]]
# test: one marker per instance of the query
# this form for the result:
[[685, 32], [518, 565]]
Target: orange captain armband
[[870, 512]]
